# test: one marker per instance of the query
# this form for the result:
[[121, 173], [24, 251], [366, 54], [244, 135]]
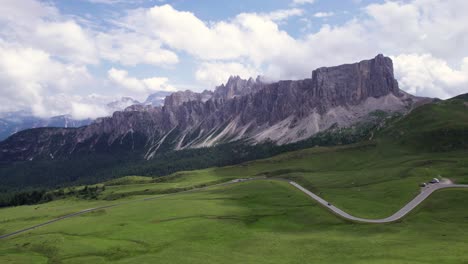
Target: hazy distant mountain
[[121, 104], [157, 98], [251, 110], [13, 122]]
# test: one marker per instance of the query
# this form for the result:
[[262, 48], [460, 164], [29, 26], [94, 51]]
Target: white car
[[435, 180]]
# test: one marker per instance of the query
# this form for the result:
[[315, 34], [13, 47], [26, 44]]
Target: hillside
[[440, 126]]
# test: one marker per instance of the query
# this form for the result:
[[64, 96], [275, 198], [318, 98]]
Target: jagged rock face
[[285, 112], [353, 83], [178, 98], [236, 86]]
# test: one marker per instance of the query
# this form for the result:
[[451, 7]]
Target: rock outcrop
[[251, 110]]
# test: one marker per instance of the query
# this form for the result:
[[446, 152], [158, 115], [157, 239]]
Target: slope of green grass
[[441, 126], [361, 179], [177, 182], [129, 180], [252, 222]]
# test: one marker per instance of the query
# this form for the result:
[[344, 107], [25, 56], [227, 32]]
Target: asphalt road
[[425, 192]]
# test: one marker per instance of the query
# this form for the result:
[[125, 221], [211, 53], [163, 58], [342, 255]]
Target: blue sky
[[72, 56]]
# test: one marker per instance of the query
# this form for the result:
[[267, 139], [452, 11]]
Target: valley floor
[[264, 221]]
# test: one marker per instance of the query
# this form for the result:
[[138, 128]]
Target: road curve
[[425, 192]]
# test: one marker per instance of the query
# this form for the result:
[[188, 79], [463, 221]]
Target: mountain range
[[13, 122], [250, 110]]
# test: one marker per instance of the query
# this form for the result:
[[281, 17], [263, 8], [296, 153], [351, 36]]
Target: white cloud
[[302, 2], [31, 80], [66, 39], [283, 14], [424, 74], [25, 11], [252, 36], [131, 49], [39, 25], [87, 110], [29, 76], [215, 73], [436, 27], [138, 87], [323, 14]]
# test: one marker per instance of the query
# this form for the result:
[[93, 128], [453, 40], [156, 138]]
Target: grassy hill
[[440, 126], [269, 221], [255, 222]]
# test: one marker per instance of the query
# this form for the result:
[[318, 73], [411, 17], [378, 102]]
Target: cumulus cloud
[[130, 49], [421, 26], [283, 14], [424, 74], [138, 87], [87, 110], [248, 35], [41, 26], [29, 76], [79, 107]]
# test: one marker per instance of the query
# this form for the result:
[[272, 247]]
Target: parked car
[[435, 180], [423, 184]]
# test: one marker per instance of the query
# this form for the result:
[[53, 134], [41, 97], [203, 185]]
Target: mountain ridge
[[252, 110]]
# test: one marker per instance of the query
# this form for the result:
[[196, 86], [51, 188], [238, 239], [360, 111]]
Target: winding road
[[425, 192]]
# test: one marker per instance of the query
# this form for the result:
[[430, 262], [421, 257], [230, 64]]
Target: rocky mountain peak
[[353, 83], [236, 86], [283, 112], [178, 98]]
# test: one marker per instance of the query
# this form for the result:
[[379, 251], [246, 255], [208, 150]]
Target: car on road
[[435, 180], [423, 184]]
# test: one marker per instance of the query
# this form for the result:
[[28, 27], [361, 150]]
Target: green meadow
[[265, 221], [251, 222]]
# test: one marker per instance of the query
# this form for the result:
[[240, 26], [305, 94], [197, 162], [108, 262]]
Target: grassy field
[[259, 221], [252, 222]]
